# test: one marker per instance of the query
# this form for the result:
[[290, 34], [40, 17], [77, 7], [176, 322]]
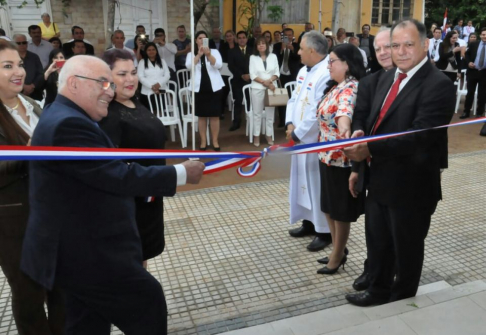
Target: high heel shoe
[[326, 271], [203, 148], [325, 260]]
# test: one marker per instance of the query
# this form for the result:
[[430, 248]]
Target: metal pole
[[320, 15], [193, 104], [335, 16], [221, 25]]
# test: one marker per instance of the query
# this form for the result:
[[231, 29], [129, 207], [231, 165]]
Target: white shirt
[[135, 61], [29, 110], [365, 58], [467, 31], [85, 41], [257, 69], [167, 52], [213, 71], [152, 75], [462, 43], [431, 48], [42, 50]]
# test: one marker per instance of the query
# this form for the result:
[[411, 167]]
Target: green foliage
[[276, 13], [251, 12], [473, 10]]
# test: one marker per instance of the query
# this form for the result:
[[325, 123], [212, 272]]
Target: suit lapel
[[384, 84]]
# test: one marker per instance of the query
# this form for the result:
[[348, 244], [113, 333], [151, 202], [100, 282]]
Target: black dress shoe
[[464, 115], [327, 271], [325, 260], [362, 282], [302, 231], [318, 244], [364, 299], [234, 126], [479, 115]]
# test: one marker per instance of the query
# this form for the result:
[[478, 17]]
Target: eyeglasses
[[22, 43], [331, 61], [105, 84]]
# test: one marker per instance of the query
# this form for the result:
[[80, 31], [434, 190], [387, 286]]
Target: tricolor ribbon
[[222, 160]]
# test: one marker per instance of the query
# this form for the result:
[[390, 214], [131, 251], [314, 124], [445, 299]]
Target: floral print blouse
[[338, 102]]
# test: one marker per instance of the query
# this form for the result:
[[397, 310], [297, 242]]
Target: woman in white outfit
[[153, 73], [264, 72]]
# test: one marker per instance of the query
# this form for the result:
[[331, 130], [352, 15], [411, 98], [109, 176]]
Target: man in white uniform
[[302, 127]]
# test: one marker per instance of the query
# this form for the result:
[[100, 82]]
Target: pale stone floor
[[229, 262]]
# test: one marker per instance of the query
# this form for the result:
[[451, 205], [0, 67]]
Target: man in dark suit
[[216, 42], [255, 33], [81, 232], [366, 43], [34, 75], [289, 63], [404, 174], [77, 34], [239, 65], [476, 75], [308, 27]]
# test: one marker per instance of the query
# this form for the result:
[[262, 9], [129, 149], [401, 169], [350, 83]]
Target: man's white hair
[[77, 65]]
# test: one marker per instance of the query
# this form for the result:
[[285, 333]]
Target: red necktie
[[389, 100]]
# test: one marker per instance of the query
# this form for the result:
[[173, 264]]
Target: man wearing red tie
[[404, 175]]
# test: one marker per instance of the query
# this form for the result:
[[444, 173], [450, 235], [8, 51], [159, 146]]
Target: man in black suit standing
[[289, 62], [366, 43], [78, 35], [239, 65], [476, 75], [216, 42], [255, 33], [308, 27], [82, 232], [404, 174]]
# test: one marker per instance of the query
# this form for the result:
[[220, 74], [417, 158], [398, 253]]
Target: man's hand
[[471, 65], [353, 180], [28, 89], [194, 171], [290, 129], [357, 152], [245, 77], [357, 133], [290, 46]]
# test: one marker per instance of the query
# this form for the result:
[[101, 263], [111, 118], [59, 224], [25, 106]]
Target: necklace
[[14, 107]]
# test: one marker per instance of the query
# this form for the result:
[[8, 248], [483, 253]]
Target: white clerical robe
[[305, 180]]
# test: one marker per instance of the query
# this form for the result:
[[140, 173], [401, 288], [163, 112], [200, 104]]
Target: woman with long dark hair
[[51, 74], [139, 43], [208, 85], [335, 113], [18, 118], [450, 56], [154, 75]]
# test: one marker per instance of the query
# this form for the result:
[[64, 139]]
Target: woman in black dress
[[51, 74], [208, 85], [130, 125], [450, 56]]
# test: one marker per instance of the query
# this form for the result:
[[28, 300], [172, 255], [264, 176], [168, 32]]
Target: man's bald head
[[88, 92]]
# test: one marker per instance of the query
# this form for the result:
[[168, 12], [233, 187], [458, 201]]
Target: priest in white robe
[[302, 127]]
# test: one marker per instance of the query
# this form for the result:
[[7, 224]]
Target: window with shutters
[[387, 11], [293, 11]]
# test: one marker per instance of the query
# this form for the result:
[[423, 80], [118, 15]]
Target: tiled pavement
[[229, 262]]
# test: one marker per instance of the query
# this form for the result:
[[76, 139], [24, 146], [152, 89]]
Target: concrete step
[[438, 308]]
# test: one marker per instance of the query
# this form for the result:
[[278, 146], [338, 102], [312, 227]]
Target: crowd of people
[[89, 252]]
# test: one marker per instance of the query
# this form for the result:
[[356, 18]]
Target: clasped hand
[[357, 152]]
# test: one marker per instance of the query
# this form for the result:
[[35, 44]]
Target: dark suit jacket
[[372, 61], [82, 226], [471, 54], [405, 171], [212, 45], [294, 58], [68, 49], [444, 58], [239, 64], [34, 75]]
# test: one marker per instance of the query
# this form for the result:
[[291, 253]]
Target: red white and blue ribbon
[[222, 160]]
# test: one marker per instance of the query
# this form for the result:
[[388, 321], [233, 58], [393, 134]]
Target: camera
[[144, 38]]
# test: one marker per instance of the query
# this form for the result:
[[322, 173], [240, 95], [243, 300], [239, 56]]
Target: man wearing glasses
[[82, 232], [34, 76]]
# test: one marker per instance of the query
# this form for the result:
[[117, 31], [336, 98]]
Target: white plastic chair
[[172, 85], [248, 111], [186, 106], [290, 86], [182, 78], [169, 115], [231, 99], [462, 91]]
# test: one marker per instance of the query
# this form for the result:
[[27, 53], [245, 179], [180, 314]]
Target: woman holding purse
[[264, 71]]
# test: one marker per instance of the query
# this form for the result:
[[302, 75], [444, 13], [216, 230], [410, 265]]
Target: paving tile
[[459, 316], [392, 325], [433, 287], [398, 307], [479, 299], [458, 291]]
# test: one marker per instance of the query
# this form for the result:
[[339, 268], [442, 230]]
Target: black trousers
[[237, 87], [476, 78], [395, 237], [28, 297], [135, 304]]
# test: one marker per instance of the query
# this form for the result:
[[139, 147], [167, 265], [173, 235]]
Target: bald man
[[82, 233]]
